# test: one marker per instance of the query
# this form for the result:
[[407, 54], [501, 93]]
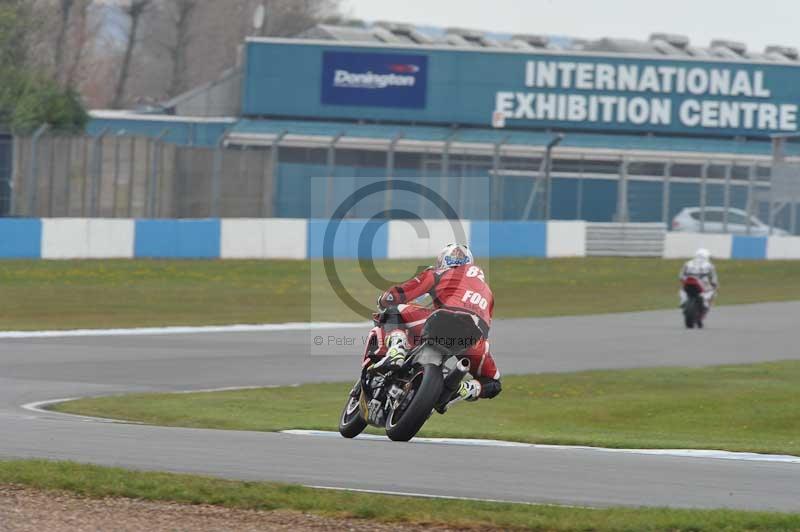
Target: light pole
[[260, 18], [548, 163]]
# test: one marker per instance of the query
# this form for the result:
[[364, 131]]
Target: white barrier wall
[[264, 239], [279, 238], [65, 238], [285, 239], [684, 245], [783, 247], [408, 240], [242, 239], [78, 238], [111, 239], [566, 239]]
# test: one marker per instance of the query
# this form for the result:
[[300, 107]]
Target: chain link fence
[[121, 176], [6, 170], [785, 194], [135, 177], [82, 176]]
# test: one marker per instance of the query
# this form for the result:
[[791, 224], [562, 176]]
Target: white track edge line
[[40, 407], [445, 497], [162, 331], [675, 453]]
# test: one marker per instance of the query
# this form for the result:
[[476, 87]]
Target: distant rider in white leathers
[[701, 268]]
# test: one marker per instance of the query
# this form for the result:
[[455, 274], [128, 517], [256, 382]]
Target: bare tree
[[85, 38], [65, 10], [170, 31], [227, 24], [285, 18], [64, 38], [135, 10], [182, 11], [73, 35], [185, 43], [93, 75]]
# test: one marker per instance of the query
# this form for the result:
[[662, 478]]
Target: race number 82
[[474, 271]]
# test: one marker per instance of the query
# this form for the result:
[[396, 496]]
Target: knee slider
[[490, 388]]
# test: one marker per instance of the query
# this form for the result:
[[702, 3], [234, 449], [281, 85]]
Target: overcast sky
[[757, 23]]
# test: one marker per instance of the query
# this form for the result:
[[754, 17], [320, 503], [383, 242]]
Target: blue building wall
[[299, 79], [300, 195], [287, 89]]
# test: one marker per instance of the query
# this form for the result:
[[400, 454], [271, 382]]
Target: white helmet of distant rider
[[703, 255], [454, 255]]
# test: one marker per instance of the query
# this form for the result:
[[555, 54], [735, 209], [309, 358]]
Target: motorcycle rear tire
[[418, 412], [692, 314]]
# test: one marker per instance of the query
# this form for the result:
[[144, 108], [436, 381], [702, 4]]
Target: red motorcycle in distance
[[694, 310]]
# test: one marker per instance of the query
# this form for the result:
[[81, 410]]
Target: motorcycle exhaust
[[451, 384], [455, 376]]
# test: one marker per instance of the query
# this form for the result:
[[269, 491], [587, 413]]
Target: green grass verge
[[100, 482], [125, 293], [737, 408]]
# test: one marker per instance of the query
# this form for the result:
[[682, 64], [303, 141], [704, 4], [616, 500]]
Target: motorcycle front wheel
[[351, 422], [416, 404]]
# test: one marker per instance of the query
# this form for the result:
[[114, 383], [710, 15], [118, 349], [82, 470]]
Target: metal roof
[[250, 132], [659, 44]]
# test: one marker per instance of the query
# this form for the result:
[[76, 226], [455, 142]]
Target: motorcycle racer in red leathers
[[454, 283]]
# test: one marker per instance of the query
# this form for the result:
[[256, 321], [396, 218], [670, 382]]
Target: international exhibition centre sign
[[724, 97], [611, 93]]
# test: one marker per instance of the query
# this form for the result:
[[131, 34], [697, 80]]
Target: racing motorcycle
[[401, 401], [694, 307]]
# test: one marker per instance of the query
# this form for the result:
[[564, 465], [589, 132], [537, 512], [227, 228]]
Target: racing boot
[[467, 391], [396, 351]]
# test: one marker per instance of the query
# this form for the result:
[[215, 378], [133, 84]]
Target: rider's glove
[[386, 300]]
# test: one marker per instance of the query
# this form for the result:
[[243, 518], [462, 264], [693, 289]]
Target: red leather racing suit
[[462, 288]]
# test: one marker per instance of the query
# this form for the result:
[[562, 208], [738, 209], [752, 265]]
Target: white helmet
[[702, 254], [454, 255]]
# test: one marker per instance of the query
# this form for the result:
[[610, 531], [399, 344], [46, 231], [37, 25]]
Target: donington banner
[[366, 79]]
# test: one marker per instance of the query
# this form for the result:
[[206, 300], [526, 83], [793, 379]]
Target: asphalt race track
[[43, 369]]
